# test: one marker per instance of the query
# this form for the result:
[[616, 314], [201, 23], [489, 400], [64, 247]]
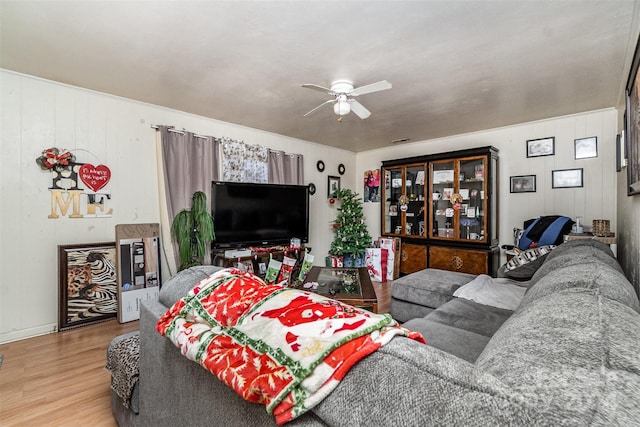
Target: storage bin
[[601, 227]]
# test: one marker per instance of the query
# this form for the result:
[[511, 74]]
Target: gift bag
[[392, 245], [376, 262], [334, 261]]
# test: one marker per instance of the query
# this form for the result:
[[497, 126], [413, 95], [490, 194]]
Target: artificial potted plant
[[193, 231]]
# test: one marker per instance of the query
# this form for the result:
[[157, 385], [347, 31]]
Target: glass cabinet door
[[442, 188], [471, 218], [405, 200], [392, 193], [458, 199], [414, 212]]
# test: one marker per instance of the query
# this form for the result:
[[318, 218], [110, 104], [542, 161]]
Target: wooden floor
[[383, 294], [59, 379]]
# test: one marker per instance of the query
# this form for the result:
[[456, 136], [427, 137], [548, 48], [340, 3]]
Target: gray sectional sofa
[[568, 355]]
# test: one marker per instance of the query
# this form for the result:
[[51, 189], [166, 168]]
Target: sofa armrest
[[178, 286], [177, 391]]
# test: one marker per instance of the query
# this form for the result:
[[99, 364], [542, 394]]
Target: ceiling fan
[[343, 93]]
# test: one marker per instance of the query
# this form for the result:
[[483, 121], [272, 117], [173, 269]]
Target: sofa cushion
[[404, 384], [574, 350], [470, 316], [405, 310], [430, 287], [464, 344], [181, 283]]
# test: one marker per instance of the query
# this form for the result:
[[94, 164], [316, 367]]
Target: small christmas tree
[[352, 237]]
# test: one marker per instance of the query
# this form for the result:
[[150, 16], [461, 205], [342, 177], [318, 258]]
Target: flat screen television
[[247, 214]]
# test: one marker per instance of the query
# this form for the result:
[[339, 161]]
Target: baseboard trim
[[28, 333]]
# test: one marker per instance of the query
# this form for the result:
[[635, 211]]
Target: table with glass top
[[348, 285]]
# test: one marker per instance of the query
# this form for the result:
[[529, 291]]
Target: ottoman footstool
[[123, 356], [419, 293]]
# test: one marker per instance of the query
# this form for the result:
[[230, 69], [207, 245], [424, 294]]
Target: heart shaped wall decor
[[94, 177]]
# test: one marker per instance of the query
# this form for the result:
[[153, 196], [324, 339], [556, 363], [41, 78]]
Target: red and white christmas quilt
[[285, 348]]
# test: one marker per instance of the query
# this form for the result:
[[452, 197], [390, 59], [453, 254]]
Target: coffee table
[[346, 284]]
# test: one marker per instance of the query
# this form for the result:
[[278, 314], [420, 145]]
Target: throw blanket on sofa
[[285, 348]]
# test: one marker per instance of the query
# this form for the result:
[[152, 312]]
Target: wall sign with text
[[77, 189]]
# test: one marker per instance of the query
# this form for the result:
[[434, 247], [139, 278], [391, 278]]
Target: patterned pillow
[[524, 273], [527, 256]]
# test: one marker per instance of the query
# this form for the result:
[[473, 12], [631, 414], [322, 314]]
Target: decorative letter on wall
[[66, 175]]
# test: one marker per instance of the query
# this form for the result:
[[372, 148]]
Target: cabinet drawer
[[413, 258], [461, 260]]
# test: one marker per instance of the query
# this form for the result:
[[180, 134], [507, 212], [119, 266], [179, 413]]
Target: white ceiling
[[456, 66]]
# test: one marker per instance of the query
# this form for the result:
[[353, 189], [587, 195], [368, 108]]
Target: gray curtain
[[286, 168], [190, 163]]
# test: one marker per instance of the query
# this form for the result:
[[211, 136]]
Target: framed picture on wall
[[541, 147], [632, 126], [586, 147], [523, 184], [333, 185], [88, 284], [567, 178]]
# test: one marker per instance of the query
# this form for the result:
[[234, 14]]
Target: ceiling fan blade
[[316, 87], [331, 101], [373, 87], [359, 109]]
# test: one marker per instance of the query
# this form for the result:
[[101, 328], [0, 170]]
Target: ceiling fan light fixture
[[343, 94], [341, 108]]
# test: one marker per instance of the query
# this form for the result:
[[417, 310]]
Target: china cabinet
[[444, 207]]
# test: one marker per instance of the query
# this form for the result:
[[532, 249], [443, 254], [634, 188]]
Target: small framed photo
[[567, 178], [586, 147], [443, 176], [471, 212], [333, 185], [447, 192], [541, 147], [523, 184]]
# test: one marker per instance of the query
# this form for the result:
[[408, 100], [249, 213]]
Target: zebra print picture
[[88, 289]]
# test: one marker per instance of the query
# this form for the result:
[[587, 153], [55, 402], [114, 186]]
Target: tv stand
[[258, 260]]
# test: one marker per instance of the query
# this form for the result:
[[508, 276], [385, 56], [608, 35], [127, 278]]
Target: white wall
[[629, 235], [596, 200], [38, 114], [100, 129]]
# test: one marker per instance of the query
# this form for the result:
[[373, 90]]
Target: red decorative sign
[[94, 177]]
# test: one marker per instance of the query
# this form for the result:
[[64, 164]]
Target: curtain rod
[[181, 132]]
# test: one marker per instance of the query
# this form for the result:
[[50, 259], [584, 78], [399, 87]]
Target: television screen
[[247, 214]]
